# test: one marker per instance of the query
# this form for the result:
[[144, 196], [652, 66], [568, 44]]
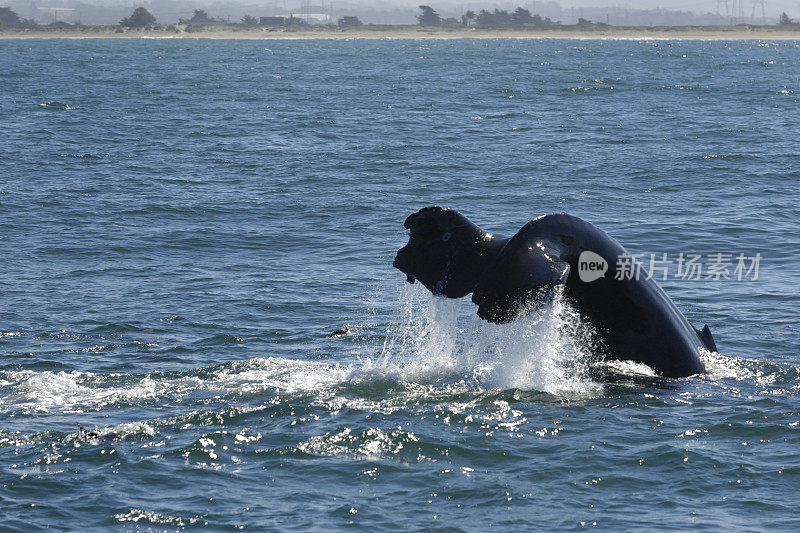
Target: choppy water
[[183, 222]]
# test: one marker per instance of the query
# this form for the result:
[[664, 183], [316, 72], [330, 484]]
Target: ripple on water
[[260, 193]]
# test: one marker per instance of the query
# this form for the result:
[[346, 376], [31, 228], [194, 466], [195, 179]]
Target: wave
[[28, 391], [428, 351], [432, 352]]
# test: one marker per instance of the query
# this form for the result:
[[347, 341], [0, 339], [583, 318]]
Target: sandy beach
[[740, 32]]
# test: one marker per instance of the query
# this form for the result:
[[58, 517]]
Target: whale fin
[[705, 336]]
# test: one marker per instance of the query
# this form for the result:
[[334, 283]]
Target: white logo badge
[[591, 266]]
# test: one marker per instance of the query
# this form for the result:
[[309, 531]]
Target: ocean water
[[183, 223]]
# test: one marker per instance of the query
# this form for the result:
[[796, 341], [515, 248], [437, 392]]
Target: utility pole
[[727, 8], [763, 11]]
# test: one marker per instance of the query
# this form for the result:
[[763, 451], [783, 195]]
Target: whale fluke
[[633, 317]]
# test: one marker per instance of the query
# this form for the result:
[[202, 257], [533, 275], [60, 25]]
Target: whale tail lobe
[[445, 252], [453, 257], [521, 278]]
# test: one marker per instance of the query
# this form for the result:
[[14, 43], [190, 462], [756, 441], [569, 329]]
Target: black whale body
[[632, 316]]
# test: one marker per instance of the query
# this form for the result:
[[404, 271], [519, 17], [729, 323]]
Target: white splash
[[628, 368], [545, 350], [721, 367], [47, 391]]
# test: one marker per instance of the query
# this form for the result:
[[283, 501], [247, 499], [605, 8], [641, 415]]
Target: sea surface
[[184, 222]]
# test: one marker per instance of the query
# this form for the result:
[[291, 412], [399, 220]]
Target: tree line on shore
[[142, 18], [521, 17], [9, 19], [428, 17], [499, 18]]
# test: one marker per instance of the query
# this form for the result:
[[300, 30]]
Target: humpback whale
[[632, 317]]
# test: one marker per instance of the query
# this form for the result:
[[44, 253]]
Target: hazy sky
[[698, 6]]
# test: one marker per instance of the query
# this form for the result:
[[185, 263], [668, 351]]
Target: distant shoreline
[[740, 32]]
